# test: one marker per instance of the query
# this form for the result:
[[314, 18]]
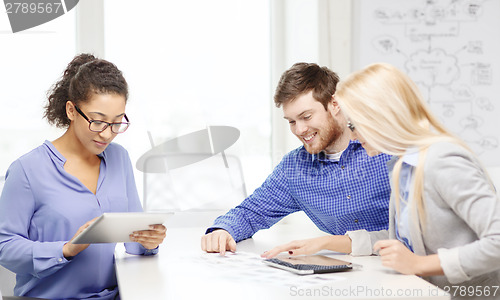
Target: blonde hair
[[389, 112]]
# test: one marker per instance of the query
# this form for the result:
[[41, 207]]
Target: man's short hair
[[302, 78]]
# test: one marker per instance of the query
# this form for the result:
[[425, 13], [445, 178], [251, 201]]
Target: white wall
[[315, 31]]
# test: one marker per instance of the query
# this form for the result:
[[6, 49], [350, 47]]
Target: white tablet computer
[[116, 227], [309, 264]]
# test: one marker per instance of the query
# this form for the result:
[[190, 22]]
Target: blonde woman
[[444, 212]]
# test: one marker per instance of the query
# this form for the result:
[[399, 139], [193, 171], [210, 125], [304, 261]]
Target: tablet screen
[[116, 227], [309, 264]]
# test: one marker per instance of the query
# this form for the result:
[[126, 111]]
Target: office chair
[[7, 278], [212, 182], [7, 282]]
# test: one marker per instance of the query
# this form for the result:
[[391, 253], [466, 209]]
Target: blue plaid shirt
[[350, 194]]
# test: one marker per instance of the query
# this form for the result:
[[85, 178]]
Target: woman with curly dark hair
[[54, 192]]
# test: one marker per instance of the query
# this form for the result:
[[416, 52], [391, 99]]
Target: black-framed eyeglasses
[[100, 126], [350, 126]]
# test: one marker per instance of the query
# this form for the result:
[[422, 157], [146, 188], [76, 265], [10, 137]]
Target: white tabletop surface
[[182, 271]]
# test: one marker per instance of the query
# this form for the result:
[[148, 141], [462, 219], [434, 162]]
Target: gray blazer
[[463, 220]]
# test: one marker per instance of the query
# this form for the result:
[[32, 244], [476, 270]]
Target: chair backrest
[[210, 183], [7, 278], [7, 282]]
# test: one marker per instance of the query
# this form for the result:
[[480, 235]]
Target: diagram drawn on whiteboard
[[450, 48]]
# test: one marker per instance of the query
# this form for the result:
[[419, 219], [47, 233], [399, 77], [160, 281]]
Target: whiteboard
[[451, 49]]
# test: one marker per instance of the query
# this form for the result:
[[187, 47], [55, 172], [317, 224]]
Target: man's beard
[[327, 135]]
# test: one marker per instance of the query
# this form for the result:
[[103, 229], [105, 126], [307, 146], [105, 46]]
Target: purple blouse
[[41, 208]]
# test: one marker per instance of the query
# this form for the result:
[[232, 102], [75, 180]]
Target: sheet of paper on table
[[248, 267]]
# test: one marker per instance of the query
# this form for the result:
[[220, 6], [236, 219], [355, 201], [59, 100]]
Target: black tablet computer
[[309, 264]]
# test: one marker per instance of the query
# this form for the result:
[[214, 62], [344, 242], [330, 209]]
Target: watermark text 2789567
[[33, 8], [26, 14]]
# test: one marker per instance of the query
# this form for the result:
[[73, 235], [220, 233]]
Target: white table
[[179, 272]]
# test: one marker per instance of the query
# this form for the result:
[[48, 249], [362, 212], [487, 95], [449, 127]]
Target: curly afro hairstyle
[[85, 75]]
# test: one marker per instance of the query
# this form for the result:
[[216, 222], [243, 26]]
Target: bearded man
[[330, 177]]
